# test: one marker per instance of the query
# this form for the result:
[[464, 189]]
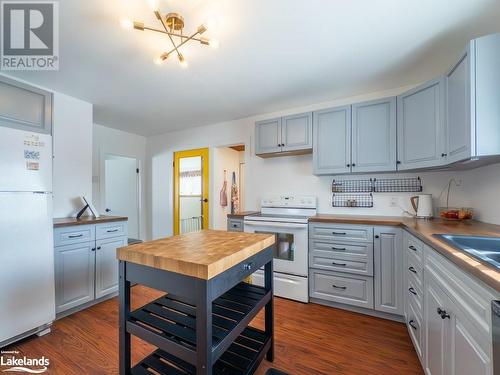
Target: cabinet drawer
[[415, 296], [333, 249], [414, 270], [414, 324], [73, 234], [359, 267], [341, 232], [111, 230], [343, 288], [235, 225], [416, 247]]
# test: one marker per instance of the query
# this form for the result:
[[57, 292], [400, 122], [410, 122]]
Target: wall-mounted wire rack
[[352, 200], [397, 185], [383, 185]]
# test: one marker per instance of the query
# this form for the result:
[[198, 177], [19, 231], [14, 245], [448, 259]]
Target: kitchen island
[[201, 324]]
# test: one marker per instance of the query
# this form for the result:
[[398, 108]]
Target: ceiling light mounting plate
[[174, 21]]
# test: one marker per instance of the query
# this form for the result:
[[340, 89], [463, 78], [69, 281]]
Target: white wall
[[108, 141], [224, 159], [294, 174], [72, 137]]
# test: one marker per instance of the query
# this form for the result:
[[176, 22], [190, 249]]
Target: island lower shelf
[[241, 358], [169, 322]]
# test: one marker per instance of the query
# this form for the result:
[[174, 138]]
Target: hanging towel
[[235, 203], [223, 192]]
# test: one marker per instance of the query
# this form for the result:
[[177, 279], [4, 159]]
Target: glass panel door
[[190, 191], [284, 248]]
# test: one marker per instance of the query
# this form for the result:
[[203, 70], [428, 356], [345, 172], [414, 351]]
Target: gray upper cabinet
[[458, 110], [473, 94], [421, 126], [332, 141], [106, 269], [284, 136], [374, 136], [388, 262], [268, 136], [25, 107], [296, 132], [74, 275]]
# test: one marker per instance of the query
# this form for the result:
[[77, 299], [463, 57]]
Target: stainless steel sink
[[485, 249]]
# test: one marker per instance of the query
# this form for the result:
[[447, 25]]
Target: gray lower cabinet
[[235, 225], [74, 275], [25, 107], [422, 127], [332, 141], [388, 273], [374, 136], [86, 268], [106, 265]]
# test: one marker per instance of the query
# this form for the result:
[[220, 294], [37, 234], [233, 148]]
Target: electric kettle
[[422, 204]]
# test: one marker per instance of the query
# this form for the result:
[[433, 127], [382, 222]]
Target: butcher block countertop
[[241, 215], [84, 220], [424, 230], [202, 254]]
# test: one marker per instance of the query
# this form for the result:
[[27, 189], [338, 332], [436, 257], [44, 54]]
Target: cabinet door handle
[[443, 313], [112, 231], [443, 155], [339, 264], [339, 248], [93, 249], [75, 236], [412, 270], [98, 248], [339, 233], [348, 165], [411, 247], [353, 165], [377, 236], [339, 287], [412, 291], [412, 325]]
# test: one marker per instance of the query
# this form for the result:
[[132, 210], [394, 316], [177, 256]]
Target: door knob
[[204, 200]]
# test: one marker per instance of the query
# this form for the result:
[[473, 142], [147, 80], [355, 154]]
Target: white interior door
[[121, 190]]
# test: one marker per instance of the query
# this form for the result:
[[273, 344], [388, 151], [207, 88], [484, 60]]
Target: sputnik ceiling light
[[173, 27]]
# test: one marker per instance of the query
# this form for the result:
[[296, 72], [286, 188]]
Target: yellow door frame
[[203, 152]]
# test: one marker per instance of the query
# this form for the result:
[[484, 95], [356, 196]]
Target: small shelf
[[241, 358], [173, 321], [374, 185], [397, 185], [352, 200]]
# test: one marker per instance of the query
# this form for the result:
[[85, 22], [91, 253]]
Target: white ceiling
[[273, 55]]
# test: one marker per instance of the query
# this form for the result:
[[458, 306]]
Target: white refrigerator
[[27, 301]]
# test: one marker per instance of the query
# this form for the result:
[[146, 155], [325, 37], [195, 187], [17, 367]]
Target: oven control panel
[[295, 201]]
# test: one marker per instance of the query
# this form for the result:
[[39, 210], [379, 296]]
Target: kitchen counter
[[240, 215], [70, 221], [424, 230], [202, 254]]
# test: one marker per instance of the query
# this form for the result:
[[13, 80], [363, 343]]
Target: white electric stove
[[286, 217]]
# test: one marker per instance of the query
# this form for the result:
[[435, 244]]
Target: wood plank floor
[[310, 339]]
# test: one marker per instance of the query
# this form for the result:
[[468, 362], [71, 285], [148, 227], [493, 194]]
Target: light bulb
[[158, 61], [214, 43], [182, 61], [126, 23]]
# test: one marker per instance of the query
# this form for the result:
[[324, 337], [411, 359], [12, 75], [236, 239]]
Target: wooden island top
[[203, 254]]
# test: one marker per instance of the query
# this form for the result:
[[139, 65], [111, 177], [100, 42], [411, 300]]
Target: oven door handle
[[274, 224]]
